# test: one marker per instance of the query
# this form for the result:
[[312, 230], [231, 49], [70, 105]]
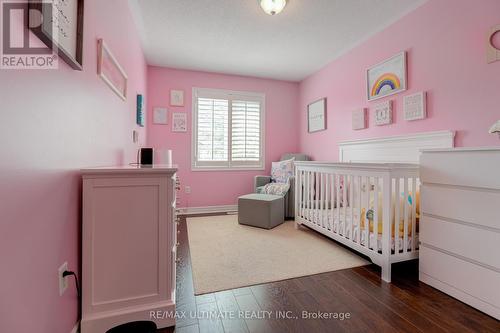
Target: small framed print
[[160, 116], [414, 106], [176, 97], [359, 119], [179, 122], [383, 113], [316, 116]]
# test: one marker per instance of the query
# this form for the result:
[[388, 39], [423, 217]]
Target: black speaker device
[[145, 156]]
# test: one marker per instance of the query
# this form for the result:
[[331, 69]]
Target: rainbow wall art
[[387, 78], [386, 81]]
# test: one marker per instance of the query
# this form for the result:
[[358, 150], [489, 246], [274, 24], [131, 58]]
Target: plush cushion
[[274, 188], [282, 171]]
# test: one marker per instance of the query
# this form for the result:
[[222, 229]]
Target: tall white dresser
[[128, 247], [460, 225]]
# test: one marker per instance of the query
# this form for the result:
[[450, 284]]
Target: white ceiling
[[237, 37]]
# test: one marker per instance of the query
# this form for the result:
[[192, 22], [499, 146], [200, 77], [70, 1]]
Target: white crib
[[351, 202]]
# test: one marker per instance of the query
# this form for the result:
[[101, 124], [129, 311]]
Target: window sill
[[241, 168]]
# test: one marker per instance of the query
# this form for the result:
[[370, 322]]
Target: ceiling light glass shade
[[272, 7]]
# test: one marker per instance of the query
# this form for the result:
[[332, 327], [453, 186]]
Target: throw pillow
[[282, 171], [275, 188]]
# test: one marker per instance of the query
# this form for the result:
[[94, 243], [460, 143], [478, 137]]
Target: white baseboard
[[76, 328], [207, 209]]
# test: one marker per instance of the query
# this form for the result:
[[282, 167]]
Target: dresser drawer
[[467, 241], [465, 167], [474, 206], [468, 278]]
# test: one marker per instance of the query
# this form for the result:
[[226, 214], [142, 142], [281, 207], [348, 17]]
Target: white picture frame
[[179, 122], [110, 71], [359, 119], [383, 113], [316, 116], [387, 78], [160, 116], [414, 106], [176, 97]]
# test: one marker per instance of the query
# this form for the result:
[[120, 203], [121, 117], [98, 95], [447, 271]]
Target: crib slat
[[302, 188], [360, 208], [387, 216], [397, 207], [311, 195], [413, 213], [375, 214], [344, 204], [304, 195], [405, 230], [367, 205], [322, 198], [332, 200], [337, 200], [318, 197], [327, 194], [351, 205], [308, 195], [316, 203], [298, 192]]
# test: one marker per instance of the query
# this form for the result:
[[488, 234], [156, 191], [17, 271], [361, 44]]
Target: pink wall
[[445, 40], [213, 188], [53, 123]]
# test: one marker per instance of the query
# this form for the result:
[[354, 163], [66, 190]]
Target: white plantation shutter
[[213, 122], [227, 129], [245, 133]]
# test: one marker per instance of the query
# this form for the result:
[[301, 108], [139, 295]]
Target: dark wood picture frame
[[44, 33]]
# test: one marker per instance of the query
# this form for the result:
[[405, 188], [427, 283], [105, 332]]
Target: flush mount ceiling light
[[272, 7]]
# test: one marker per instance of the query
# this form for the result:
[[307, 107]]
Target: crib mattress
[[340, 223]]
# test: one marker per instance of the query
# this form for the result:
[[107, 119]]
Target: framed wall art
[[359, 119], [383, 113], [387, 78], [414, 107], [176, 97], [179, 122], [316, 116], [160, 116], [110, 70], [59, 25]]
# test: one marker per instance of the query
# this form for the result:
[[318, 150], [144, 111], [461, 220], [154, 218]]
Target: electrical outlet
[[63, 281], [187, 189]]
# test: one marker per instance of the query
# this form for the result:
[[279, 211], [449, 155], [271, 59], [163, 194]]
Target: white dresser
[[460, 225], [128, 246]]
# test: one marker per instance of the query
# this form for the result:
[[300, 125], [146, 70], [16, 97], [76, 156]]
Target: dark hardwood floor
[[405, 305]]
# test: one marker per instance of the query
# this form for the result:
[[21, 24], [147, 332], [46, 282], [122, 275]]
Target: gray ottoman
[[261, 210]]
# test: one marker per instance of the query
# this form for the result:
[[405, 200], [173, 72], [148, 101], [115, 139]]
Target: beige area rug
[[227, 255]]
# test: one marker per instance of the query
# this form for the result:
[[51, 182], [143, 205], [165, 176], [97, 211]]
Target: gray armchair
[[290, 196]]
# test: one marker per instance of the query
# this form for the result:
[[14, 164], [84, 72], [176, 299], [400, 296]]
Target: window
[[228, 130]]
